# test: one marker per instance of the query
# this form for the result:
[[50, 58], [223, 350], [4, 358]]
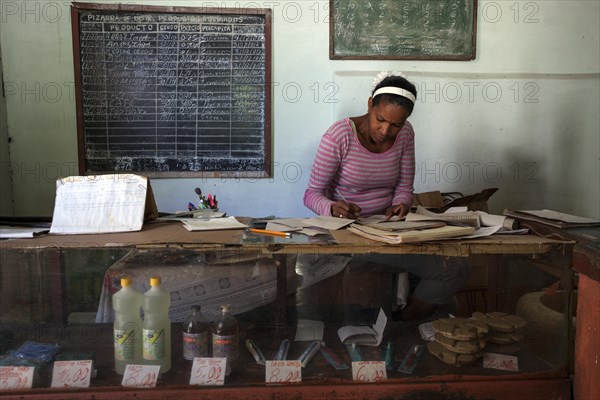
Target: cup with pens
[[206, 204]]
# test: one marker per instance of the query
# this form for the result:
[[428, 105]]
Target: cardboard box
[[439, 202]]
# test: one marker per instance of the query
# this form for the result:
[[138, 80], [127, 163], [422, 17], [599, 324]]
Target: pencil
[[268, 232]]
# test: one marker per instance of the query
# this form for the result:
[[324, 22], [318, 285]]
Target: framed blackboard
[[402, 29], [173, 91]]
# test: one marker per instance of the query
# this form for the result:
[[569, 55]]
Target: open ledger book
[[392, 237], [364, 335]]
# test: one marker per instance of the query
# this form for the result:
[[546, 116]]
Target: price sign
[[12, 378], [368, 371], [75, 373], [208, 371], [286, 371], [500, 361], [140, 376]]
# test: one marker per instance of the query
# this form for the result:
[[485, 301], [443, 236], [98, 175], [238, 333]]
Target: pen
[[309, 352], [283, 350], [268, 232], [340, 194], [255, 351]]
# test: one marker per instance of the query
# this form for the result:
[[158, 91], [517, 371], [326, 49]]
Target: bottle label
[[225, 346], [154, 344], [195, 345], [125, 344]]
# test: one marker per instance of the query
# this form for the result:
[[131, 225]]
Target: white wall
[[522, 117], [6, 198]]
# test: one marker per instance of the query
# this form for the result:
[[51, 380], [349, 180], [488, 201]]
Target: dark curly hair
[[389, 98]]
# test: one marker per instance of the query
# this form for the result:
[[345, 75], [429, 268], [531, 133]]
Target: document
[[397, 226], [99, 204], [364, 335], [331, 223], [214, 224], [445, 232], [470, 218], [310, 227], [553, 218], [20, 232]]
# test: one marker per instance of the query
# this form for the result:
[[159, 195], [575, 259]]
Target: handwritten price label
[[12, 378], [500, 361], [74, 373], [286, 371], [208, 371], [368, 371], [140, 376]]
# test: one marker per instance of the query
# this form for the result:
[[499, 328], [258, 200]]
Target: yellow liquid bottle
[[157, 326], [127, 328]]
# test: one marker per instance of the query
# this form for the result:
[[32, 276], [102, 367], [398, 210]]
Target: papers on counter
[[308, 226], [21, 232], [100, 204], [214, 224], [553, 218], [445, 232]]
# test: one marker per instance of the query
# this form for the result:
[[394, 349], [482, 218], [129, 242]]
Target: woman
[[368, 160], [365, 165]]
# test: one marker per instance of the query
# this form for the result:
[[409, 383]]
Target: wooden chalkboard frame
[[265, 172], [467, 56]]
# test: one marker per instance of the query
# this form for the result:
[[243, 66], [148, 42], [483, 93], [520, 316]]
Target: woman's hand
[[341, 209], [398, 209]]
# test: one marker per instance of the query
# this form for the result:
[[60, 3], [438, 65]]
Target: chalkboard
[[403, 29], [173, 91]]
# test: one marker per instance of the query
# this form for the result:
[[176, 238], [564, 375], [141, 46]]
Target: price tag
[[208, 371], [140, 376], [283, 372], [74, 373], [12, 378], [500, 361], [368, 371]]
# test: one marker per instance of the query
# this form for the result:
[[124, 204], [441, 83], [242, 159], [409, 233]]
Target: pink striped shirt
[[373, 181]]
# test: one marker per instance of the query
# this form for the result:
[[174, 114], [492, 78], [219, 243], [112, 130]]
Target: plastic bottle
[[225, 338], [127, 327], [196, 335], [157, 326]]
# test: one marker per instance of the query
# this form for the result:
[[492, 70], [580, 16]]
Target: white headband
[[395, 90]]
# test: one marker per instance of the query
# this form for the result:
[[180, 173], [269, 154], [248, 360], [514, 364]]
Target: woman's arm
[[403, 192], [323, 171]]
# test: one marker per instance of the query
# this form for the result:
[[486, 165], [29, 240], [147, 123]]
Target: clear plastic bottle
[[157, 326], [225, 338], [127, 327], [196, 335]]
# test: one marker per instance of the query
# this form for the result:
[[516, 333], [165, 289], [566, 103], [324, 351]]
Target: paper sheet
[[20, 232], [331, 223], [214, 224], [558, 216], [99, 204]]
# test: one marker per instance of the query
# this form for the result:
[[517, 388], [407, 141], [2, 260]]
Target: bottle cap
[[154, 281], [125, 281]]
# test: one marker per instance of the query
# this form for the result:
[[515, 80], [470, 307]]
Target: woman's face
[[385, 121]]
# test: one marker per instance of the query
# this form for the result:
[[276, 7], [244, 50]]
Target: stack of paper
[[441, 233], [553, 218], [213, 224], [364, 335]]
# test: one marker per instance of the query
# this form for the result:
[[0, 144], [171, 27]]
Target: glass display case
[[59, 291]]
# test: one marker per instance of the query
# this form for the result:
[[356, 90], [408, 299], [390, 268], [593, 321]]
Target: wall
[[522, 117], [6, 200]]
